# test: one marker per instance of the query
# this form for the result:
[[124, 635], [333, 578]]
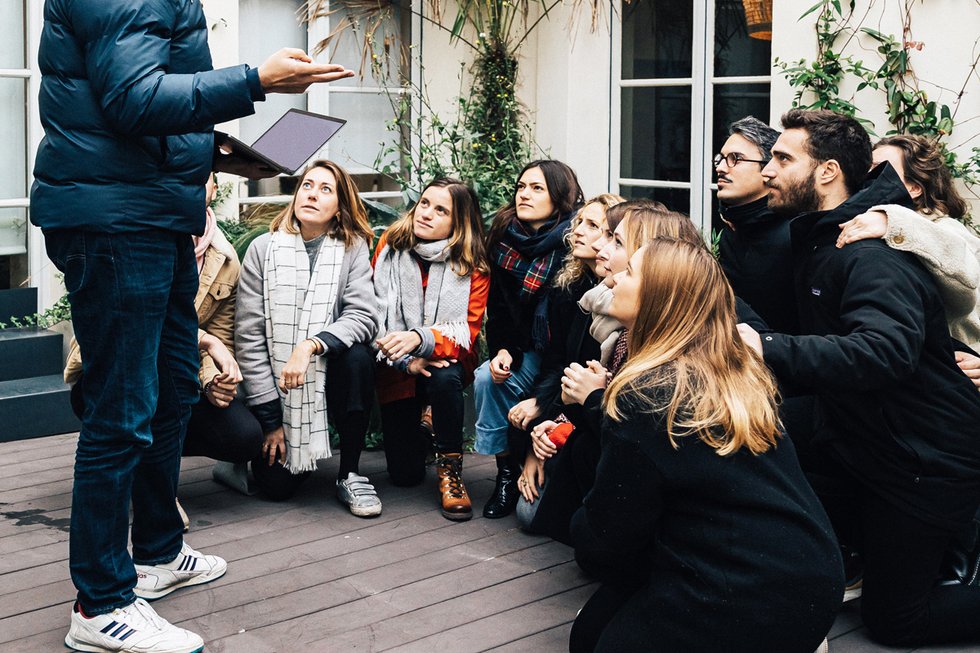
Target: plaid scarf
[[532, 257]]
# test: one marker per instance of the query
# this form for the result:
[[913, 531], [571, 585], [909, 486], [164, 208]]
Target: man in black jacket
[[754, 249], [897, 416]]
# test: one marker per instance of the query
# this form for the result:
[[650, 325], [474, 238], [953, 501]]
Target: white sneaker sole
[[200, 579], [362, 511], [89, 648]]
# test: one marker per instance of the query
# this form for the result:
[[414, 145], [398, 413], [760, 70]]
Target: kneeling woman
[[306, 295], [700, 525], [431, 279]]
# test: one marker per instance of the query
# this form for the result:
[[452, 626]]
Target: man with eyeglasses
[[755, 247]]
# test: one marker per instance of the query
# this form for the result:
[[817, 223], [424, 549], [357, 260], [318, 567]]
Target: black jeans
[[231, 434], [405, 441], [350, 395], [901, 603]]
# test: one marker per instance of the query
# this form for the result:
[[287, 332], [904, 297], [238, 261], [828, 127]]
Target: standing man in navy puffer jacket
[[128, 101]]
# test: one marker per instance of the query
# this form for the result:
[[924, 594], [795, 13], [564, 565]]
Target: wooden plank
[[504, 626], [552, 639]]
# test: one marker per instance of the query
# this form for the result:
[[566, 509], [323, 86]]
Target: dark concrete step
[[18, 303], [30, 352], [35, 407]]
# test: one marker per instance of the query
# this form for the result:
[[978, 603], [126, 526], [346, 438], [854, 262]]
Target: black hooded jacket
[[757, 258], [893, 405]]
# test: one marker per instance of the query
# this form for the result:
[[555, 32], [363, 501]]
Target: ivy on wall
[[818, 83]]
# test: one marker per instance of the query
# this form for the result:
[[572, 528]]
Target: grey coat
[[355, 316]]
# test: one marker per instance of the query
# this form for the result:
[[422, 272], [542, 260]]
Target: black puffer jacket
[[893, 405], [128, 101], [757, 257]]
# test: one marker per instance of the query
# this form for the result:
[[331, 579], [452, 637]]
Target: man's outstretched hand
[[293, 71]]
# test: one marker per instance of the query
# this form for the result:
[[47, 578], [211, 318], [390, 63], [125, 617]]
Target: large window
[[267, 25], [674, 96], [16, 80]]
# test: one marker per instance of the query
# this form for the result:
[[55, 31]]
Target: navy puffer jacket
[[128, 101]]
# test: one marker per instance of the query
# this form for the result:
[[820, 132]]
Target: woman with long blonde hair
[[306, 297], [700, 524]]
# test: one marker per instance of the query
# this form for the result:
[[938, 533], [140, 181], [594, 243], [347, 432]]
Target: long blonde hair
[[350, 225], [684, 342], [466, 247], [573, 268]]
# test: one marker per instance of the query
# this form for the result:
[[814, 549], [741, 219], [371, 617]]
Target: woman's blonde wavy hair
[[351, 223], [684, 346], [467, 251], [572, 268]]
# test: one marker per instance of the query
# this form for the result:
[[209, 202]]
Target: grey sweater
[[355, 316]]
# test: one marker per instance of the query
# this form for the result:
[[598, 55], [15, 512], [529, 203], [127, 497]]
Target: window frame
[[702, 83]]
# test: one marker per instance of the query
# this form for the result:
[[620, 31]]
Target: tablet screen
[[295, 137]]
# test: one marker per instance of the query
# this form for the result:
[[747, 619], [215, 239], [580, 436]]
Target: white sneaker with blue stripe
[[137, 628], [188, 568]]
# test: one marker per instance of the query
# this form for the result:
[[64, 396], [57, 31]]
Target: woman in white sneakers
[[304, 318]]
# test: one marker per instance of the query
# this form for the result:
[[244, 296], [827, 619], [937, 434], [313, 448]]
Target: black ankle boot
[[504, 498]]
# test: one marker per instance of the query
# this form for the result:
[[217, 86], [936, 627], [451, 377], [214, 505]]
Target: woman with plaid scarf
[[526, 248]]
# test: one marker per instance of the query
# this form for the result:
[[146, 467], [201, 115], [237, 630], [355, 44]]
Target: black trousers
[[901, 603], [405, 441], [231, 434], [350, 395]]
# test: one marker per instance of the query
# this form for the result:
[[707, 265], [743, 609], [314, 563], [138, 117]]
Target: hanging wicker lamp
[[758, 18]]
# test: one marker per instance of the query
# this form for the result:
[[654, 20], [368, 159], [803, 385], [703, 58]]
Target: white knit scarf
[[604, 329], [299, 305], [398, 286]]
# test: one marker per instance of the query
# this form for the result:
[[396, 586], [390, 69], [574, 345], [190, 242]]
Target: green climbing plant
[[818, 83]]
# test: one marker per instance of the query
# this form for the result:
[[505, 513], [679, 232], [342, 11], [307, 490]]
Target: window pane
[[359, 143], [657, 38], [735, 101], [656, 133], [12, 31], [736, 53], [676, 199], [13, 138], [13, 231], [267, 26]]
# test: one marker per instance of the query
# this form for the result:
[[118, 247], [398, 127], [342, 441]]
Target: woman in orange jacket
[[431, 280]]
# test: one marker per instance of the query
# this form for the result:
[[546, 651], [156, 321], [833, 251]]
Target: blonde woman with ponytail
[[700, 525]]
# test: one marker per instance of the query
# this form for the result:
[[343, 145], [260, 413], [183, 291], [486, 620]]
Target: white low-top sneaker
[[137, 628], [359, 495], [188, 568]]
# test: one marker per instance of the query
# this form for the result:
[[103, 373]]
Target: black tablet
[[289, 142]]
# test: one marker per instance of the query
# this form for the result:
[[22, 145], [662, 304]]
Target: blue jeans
[[494, 400], [132, 303]]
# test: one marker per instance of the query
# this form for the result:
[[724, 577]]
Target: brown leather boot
[[455, 501]]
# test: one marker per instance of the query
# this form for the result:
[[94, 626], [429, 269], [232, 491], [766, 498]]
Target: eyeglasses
[[732, 159]]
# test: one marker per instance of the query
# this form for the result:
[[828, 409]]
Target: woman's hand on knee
[[500, 366], [420, 365], [222, 357], [532, 477], [221, 391], [969, 365], [523, 413], [294, 373], [274, 447]]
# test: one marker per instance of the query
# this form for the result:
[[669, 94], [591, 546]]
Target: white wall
[[948, 29]]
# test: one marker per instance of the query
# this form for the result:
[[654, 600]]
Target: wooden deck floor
[[308, 576]]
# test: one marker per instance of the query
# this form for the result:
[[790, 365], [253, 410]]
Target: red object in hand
[[560, 433]]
